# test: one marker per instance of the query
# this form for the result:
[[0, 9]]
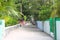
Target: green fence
[[52, 25], [57, 28]]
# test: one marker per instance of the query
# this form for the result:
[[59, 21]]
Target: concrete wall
[[47, 27], [8, 29], [40, 25]]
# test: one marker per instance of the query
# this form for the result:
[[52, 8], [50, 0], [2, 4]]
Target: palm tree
[[8, 7]]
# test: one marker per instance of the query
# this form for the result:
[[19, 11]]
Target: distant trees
[[38, 8]]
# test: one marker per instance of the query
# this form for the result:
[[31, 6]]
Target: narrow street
[[27, 33]]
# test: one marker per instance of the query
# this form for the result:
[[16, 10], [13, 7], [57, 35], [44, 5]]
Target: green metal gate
[[55, 27], [52, 25]]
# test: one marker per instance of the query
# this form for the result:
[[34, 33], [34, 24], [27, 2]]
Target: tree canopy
[[39, 9]]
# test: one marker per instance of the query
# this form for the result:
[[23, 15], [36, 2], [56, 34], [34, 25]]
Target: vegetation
[[9, 11], [12, 10], [40, 8]]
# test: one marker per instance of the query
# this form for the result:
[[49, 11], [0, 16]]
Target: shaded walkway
[[27, 33]]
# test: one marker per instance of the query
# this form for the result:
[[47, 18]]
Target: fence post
[[55, 38], [2, 28], [57, 28]]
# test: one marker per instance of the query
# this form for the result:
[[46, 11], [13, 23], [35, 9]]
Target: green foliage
[[58, 8], [41, 9], [45, 14], [11, 22], [9, 11]]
